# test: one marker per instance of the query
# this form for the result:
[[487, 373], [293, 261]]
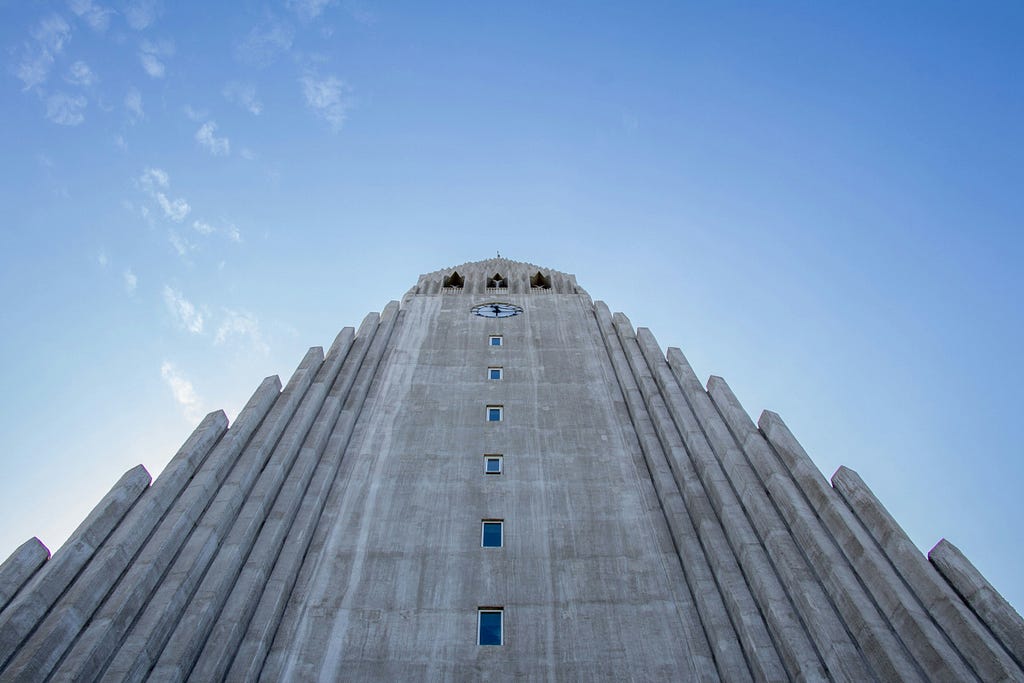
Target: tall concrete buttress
[[497, 478]]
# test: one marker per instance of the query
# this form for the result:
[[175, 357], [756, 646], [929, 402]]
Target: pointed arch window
[[454, 280], [497, 281], [540, 281]]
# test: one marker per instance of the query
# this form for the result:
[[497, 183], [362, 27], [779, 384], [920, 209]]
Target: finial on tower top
[[499, 254]]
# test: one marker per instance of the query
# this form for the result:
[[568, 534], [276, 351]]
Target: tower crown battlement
[[497, 275]]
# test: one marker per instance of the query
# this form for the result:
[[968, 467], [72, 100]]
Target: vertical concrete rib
[[259, 514], [249, 621], [183, 539], [25, 613], [53, 637], [991, 607], [229, 527], [919, 633], [19, 568], [727, 425], [969, 636], [732, 623], [753, 523], [788, 633]]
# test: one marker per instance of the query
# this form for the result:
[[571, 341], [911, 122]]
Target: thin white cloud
[[264, 44], [247, 154], [121, 143], [307, 9], [96, 16], [141, 14], [196, 115], [184, 313], [327, 97], [48, 39], [202, 227], [153, 181], [206, 137], [183, 391], [151, 55], [133, 103], [102, 258], [64, 109], [244, 95], [180, 244], [243, 326], [233, 233], [130, 281], [79, 73]]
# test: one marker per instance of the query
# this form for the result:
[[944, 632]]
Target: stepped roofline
[[496, 276]]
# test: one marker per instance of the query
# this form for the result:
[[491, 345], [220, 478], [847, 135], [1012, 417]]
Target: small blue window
[[494, 413], [490, 534], [494, 373], [489, 630], [492, 464], [495, 340]]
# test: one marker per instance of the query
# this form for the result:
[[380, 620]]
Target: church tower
[[497, 478]]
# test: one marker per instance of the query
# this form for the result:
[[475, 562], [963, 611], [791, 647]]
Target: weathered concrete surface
[[990, 606], [19, 568], [651, 530]]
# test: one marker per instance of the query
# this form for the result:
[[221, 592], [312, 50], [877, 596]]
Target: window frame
[[480, 611], [494, 457], [493, 407], [500, 339], [501, 532], [491, 369]]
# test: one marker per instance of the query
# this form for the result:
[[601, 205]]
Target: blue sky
[[820, 202]]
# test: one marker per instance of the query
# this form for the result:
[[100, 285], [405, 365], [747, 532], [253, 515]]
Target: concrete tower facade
[[497, 478]]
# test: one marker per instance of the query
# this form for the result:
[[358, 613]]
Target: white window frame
[[500, 611], [500, 338], [501, 530], [494, 457], [501, 372], [501, 413]]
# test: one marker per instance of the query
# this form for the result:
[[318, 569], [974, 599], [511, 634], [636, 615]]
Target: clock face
[[497, 310]]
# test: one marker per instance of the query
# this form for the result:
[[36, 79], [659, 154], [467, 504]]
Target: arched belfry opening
[[454, 280], [497, 280], [539, 281]]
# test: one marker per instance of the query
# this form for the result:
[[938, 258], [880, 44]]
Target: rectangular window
[[493, 373], [494, 413], [489, 622], [492, 464], [490, 533], [495, 340]]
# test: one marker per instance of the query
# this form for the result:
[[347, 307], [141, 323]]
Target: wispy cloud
[[206, 137], [151, 55], [202, 227], [93, 14], [244, 95], [327, 97], [141, 14], [243, 326], [264, 44], [247, 154], [184, 313], [79, 73], [102, 258], [130, 281], [183, 391], [233, 233], [180, 243], [47, 40], [64, 109], [195, 114], [153, 182], [133, 103], [307, 9]]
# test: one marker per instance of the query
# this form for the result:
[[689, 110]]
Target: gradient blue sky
[[821, 202]]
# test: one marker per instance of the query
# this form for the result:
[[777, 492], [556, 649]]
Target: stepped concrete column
[[699, 464], [929, 646], [712, 447], [715, 593], [720, 410], [991, 607], [976, 645], [19, 568], [23, 615], [135, 594], [247, 628]]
